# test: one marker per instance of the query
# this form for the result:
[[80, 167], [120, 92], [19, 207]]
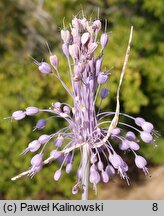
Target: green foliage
[[24, 27]]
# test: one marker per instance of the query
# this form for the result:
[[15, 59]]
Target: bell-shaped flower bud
[[40, 124], [37, 160], [18, 115], [130, 136], [104, 40], [75, 23], [102, 78], [100, 165], [110, 171], [75, 189], [92, 47], [98, 64], [69, 168], [85, 38], [65, 35], [97, 25], [55, 154], [34, 145], [44, 138], [104, 176], [66, 110], [65, 50], [116, 131], [54, 61], [124, 145], [79, 173], [59, 141], [147, 126], [139, 121], [83, 22], [94, 177], [116, 160], [93, 158], [44, 68], [140, 161], [146, 137], [133, 145], [31, 111], [57, 175], [74, 51], [104, 93], [57, 105]]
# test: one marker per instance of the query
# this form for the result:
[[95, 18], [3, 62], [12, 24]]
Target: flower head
[[87, 127]]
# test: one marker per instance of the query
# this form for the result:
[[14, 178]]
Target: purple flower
[[44, 68], [40, 124], [18, 115], [31, 111], [95, 132]]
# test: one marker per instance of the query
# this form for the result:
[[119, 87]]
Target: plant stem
[[85, 171]]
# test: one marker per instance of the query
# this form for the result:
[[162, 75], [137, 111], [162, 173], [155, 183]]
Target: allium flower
[[90, 132]]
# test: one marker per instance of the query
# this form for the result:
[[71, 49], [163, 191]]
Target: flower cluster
[[87, 127]]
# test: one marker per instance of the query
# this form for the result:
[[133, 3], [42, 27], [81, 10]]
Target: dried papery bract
[[91, 131]]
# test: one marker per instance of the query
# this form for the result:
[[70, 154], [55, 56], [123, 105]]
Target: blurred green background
[[24, 28]]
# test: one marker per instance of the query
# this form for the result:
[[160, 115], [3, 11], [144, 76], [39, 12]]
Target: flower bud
[[79, 173], [65, 35], [44, 138], [54, 61], [98, 65], [100, 165], [133, 145], [79, 68], [146, 137], [18, 115], [75, 23], [37, 160], [69, 168], [85, 38], [116, 160], [97, 24], [57, 105], [139, 121], [59, 141], [124, 145], [55, 154], [105, 176], [104, 40], [74, 190], [116, 131], [94, 177], [110, 171], [40, 124], [93, 158], [65, 49], [104, 93], [147, 126], [92, 47], [83, 22], [66, 110], [74, 51], [57, 175], [34, 146], [130, 136], [31, 111], [102, 78], [140, 161], [45, 68]]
